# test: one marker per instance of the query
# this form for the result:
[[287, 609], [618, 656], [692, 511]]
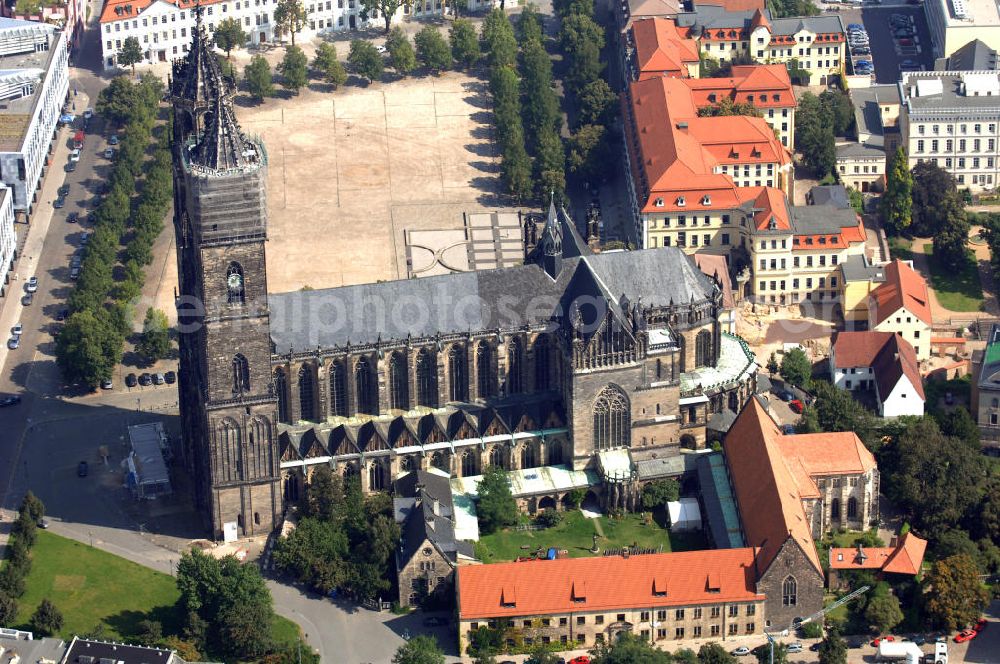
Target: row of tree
[[818, 120], [343, 541], [926, 202], [23, 533], [111, 275]]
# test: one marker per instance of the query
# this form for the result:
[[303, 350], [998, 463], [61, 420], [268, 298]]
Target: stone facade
[[793, 587], [425, 574]]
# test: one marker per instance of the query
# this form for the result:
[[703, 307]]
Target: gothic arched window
[[484, 369], [515, 367], [229, 462], [458, 375], [440, 461], [338, 390], [470, 463], [612, 421], [398, 392], [307, 391], [496, 456], [789, 592], [281, 388], [852, 508], [376, 476], [364, 386], [241, 374], [235, 288], [529, 456], [426, 379], [703, 349], [542, 363], [554, 449], [835, 508]]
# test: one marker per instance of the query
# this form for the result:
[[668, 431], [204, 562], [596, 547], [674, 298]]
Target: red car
[[582, 659], [980, 625], [795, 405], [881, 639], [965, 635]]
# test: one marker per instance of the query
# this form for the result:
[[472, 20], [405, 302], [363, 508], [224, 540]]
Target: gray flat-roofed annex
[[818, 219], [504, 299], [950, 98], [857, 268]]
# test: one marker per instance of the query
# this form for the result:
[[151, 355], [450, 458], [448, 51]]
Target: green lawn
[[90, 586], [956, 290], [901, 248], [575, 534]]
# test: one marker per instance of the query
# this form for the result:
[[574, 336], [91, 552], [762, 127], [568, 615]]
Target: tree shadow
[[478, 101], [126, 623], [482, 118], [247, 101], [480, 149], [485, 166]]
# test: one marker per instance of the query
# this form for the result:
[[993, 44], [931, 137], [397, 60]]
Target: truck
[[900, 651], [78, 139]]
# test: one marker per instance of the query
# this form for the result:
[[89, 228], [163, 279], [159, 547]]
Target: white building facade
[[34, 82], [163, 27], [8, 237]]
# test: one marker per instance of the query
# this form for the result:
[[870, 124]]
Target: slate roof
[[830, 194], [423, 507], [506, 298], [822, 24], [82, 651], [974, 56]]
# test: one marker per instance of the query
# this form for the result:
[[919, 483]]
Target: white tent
[[684, 514]]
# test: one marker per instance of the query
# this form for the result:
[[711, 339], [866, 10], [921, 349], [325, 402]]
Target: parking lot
[[888, 53]]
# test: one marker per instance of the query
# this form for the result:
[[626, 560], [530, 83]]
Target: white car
[[17, 330], [794, 647], [742, 651], [32, 285], [74, 155], [89, 113]]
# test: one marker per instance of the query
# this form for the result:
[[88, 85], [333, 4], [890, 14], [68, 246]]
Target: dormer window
[[680, 201], [706, 200], [658, 202], [711, 97], [772, 224]]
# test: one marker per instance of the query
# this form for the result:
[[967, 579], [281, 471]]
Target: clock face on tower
[[235, 282]]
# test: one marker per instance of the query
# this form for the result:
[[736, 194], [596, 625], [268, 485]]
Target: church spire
[[550, 242]]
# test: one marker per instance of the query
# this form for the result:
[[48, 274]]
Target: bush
[[549, 518], [811, 630]]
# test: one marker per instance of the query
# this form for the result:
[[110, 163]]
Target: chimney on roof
[[861, 557], [682, 125]]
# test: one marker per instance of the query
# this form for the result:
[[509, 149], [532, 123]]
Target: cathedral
[[610, 362]]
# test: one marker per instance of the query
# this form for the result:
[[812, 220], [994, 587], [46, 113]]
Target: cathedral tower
[[227, 402]]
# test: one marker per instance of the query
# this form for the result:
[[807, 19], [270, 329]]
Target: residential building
[[954, 23], [859, 278], [885, 364], [164, 28], [17, 647], [656, 48], [986, 389], [863, 161], [829, 194], [901, 305], [580, 602], [904, 557], [628, 12], [34, 82], [790, 490], [974, 56], [766, 87], [20, 647], [70, 16], [8, 237], [951, 119], [428, 551]]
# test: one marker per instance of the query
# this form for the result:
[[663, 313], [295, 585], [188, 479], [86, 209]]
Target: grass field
[[90, 586], [901, 248], [957, 290], [576, 532]]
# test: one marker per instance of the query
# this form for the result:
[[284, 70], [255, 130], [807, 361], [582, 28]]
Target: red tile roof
[[768, 204], [858, 349], [766, 489], [902, 287], [662, 49], [119, 10], [717, 265], [541, 587], [765, 86], [905, 558]]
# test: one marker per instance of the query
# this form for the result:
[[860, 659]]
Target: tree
[[33, 506], [713, 653], [896, 205], [541, 107], [293, 68], [581, 39], [763, 654], [542, 656], [836, 410], [432, 49], [589, 151], [839, 108], [833, 648], [384, 8], [597, 103], [951, 239], [796, 368], [131, 53], [258, 78], [935, 199], [155, 341], [47, 619], [120, 101], [498, 35], [772, 363], [955, 596], [401, 54], [785, 8], [8, 609], [464, 42], [229, 34], [421, 649], [660, 492], [814, 136], [365, 60], [150, 632], [496, 506], [529, 24], [327, 64], [290, 16], [550, 165], [86, 349], [883, 612], [628, 649]]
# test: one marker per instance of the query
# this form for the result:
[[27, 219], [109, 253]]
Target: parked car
[[62, 315], [145, 379], [881, 639], [795, 405], [905, 41], [109, 153], [74, 272], [816, 646], [43, 524], [742, 651], [854, 26], [861, 50], [965, 635], [27, 299], [64, 190], [980, 624], [113, 139], [89, 113], [582, 659], [107, 384], [170, 377], [794, 647], [159, 379], [74, 155], [17, 330], [82, 469], [67, 118], [131, 380], [70, 166], [59, 203], [911, 64], [13, 343], [12, 400], [32, 284], [785, 395]]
